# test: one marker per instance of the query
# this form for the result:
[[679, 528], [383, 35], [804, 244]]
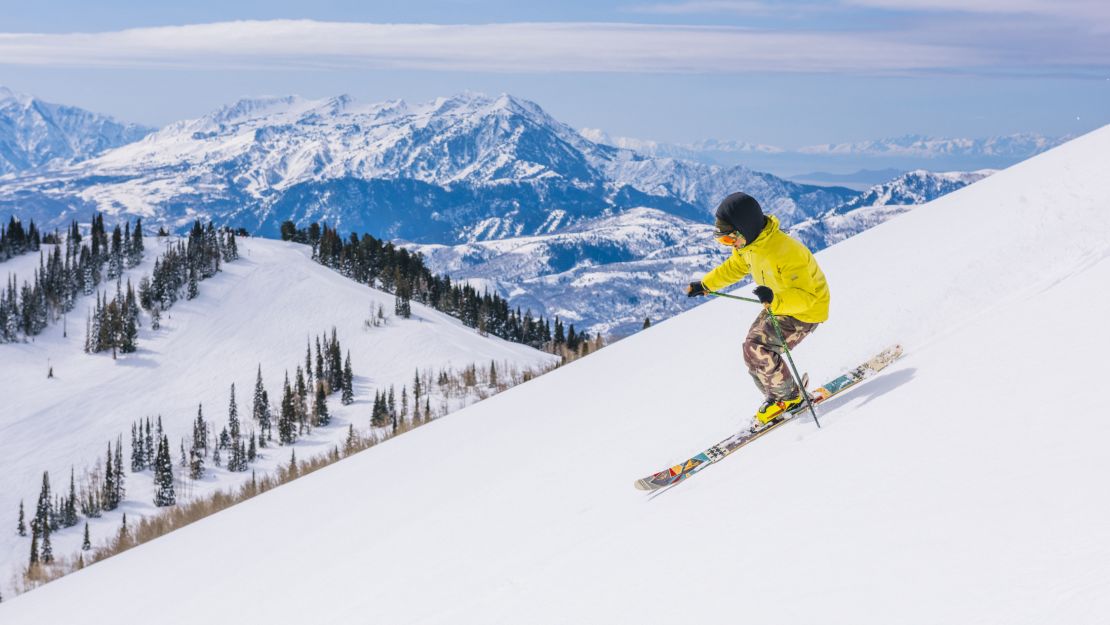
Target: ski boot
[[774, 410]]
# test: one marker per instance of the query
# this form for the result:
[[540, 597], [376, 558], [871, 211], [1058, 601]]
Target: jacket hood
[[744, 213]]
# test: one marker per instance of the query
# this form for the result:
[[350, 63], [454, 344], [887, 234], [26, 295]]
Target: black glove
[[765, 295], [695, 289]]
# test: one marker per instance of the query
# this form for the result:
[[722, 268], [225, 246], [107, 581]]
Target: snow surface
[[942, 492], [260, 308]]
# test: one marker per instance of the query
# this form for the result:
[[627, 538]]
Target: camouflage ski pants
[[763, 354]]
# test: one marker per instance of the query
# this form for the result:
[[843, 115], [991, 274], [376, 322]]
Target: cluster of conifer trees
[[179, 269], [325, 374], [104, 491], [51, 514], [150, 449], [382, 265], [65, 274], [113, 324], [15, 240]]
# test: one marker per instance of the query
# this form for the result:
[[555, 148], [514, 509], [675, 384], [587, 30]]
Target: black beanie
[[743, 212]]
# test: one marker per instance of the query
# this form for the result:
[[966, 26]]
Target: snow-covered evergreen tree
[[21, 527], [233, 416], [148, 445], [137, 453], [287, 418], [320, 406], [69, 510], [348, 396], [163, 475], [34, 560], [196, 464], [47, 554], [42, 510]]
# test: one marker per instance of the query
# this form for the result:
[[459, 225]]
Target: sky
[[781, 73]]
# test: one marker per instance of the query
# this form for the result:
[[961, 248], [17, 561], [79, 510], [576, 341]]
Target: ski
[[718, 452]]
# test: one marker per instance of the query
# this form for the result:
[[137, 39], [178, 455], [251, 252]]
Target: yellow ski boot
[[774, 409]]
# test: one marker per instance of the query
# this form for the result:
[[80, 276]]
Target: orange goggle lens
[[727, 239]]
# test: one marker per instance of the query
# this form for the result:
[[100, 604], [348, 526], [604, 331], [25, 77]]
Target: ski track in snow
[[943, 491]]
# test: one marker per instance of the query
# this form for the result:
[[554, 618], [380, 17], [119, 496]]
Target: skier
[[791, 286]]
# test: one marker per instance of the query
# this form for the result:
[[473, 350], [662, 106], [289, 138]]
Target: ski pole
[[793, 369], [785, 349]]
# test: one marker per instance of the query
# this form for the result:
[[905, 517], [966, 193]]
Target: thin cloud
[[741, 7], [1067, 9], [509, 47]]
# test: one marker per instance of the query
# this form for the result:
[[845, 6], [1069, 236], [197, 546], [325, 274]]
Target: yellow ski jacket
[[782, 264]]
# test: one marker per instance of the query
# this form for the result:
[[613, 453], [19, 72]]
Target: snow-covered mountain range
[[939, 492], [1016, 146], [34, 133], [608, 274], [458, 169], [492, 189]]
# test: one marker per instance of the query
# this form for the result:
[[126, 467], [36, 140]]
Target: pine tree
[[301, 399], [108, 488], [42, 510], [163, 475], [233, 416], [124, 536], [348, 396], [320, 407], [260, 412], [193, 291], [286, 432], [69, 513], [196, 464], [21, 528], [86, 544], [308, 362], [266, 422], [379, 415], [148, 445], [120, 489], [200, 432], [34, 550], [351, 442], [392, 405], [252, 451], [647, 323], [47, 554], [137, 451], [234, 460]]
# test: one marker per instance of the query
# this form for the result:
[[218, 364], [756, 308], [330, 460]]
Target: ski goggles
[[727, 238]]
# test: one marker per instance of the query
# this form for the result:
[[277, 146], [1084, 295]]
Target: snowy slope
[[941, 492], [259, 309]]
